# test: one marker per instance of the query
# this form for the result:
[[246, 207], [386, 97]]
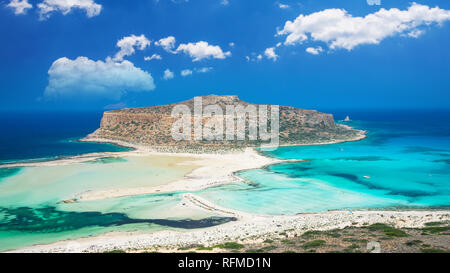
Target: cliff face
[[152, 125]]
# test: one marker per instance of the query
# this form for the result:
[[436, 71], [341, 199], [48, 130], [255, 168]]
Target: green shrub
[[205, 248], [413, 242], [230, 245], [435, 230], [315, 243], [288, 242], [115, 251], [396, 233], [388, 230], [432, 250], [311, 233]]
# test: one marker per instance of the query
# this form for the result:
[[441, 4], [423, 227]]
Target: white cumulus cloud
[[168, 43], [314, 50], [47, 7], [128, 44], [270, 53], [104, 79], [415, 33], [203, 69], [153, 57], [339, 29], [168, 75], [20, 6], [283, 6], [186, 72], [202, 50]]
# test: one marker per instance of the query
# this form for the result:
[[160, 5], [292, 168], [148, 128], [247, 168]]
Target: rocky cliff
[[152, 125]]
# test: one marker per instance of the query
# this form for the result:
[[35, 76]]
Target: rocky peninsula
[[151, 127]]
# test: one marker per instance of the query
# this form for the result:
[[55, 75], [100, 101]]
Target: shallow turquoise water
[[25, 226], [399, 164], [48, 185], [32, 211]]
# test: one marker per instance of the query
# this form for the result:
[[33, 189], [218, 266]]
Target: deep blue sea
[[48, 135]]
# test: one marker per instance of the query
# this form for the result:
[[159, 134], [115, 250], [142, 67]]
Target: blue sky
[[56, 56]]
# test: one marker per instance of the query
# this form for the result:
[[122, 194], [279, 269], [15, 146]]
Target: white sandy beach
[[213, 170]]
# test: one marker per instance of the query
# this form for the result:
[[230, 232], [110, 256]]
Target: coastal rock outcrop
[[151, 126]]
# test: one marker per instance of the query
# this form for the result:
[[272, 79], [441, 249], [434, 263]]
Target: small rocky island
[[151, 126]]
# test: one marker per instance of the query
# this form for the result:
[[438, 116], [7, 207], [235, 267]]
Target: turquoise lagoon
[[33, 211], [402, 163]]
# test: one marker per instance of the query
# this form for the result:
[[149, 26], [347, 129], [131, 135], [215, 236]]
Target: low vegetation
[[388, 230], [227, 245], [315, 243], [434, 237]]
